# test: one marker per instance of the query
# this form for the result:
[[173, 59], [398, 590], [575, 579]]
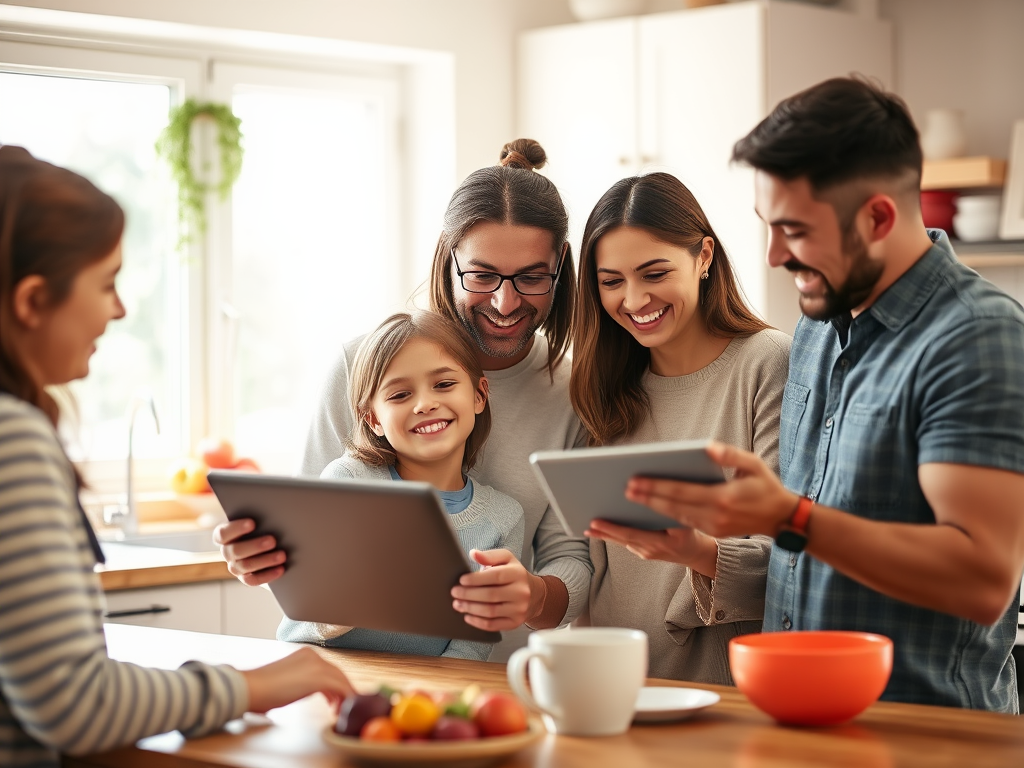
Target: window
[[100, 115], [233, 337], [312, 244]]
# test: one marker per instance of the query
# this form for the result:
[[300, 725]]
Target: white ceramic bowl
[[973, 227], [589, 10], [979, 204]]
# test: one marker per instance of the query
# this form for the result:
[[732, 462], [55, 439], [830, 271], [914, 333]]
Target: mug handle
[[517, 664]]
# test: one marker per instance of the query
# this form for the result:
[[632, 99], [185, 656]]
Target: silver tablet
[[586, 483], [377, 554]]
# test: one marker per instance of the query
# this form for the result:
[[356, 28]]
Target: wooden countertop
[[134, 567], [732, 733]]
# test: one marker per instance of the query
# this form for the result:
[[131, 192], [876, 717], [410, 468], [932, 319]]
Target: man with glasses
[[503, 269]]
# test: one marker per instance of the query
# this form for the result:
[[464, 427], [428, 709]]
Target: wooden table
[[732, 733]]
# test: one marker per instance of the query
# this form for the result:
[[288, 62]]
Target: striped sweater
[[59, 692]]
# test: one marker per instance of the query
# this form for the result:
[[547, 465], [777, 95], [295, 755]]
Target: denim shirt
[[933, 371]]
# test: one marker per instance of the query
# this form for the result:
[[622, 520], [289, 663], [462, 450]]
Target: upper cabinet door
[[577, 97], [701, 88]]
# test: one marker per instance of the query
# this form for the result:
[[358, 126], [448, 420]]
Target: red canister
[[937, 209]]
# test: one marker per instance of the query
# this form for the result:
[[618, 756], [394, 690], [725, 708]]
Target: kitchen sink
[[189, 541]]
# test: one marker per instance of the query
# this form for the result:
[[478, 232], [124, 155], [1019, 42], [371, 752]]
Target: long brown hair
[[53, 223], [510, 193], [371, 363], [608, 363]]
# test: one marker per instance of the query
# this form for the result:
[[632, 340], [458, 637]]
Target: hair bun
[[523, 153]]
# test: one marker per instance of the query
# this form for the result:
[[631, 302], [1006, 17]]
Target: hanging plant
[[175, 145]]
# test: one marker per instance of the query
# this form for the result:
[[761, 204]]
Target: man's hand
[[497, 597], [753, 502], [684, 546], [252, 561]]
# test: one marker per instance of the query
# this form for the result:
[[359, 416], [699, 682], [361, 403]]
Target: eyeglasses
[[526, 283]]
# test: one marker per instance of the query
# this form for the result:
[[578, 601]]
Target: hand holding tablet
[[589, 483]]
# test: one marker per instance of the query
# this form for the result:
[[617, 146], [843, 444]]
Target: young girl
[[59, 255], [666, 349], [419, 400]]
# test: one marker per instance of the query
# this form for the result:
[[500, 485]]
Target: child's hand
[[497, 597]]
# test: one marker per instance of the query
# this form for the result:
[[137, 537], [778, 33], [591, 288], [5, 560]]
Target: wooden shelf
[[994, 253], [963, 173]]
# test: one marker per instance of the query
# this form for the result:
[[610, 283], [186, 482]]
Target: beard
[[864, 275], [477, 321]]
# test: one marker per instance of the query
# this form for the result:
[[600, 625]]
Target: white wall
[[481, 34], [967, 54]]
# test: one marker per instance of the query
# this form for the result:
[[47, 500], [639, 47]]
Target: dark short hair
[[839, 130]]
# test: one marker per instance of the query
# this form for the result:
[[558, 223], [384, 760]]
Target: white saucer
[[663, 704]]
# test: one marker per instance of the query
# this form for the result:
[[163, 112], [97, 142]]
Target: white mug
[[584, 681]]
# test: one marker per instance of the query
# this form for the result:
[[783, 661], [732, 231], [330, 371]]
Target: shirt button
[[828, 422], [719, 615], [844, 362], [792, 561], [786, 623]]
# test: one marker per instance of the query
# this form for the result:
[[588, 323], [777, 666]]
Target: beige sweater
[[689, 618]]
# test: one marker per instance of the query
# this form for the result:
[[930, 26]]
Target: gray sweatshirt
[[689, 618]]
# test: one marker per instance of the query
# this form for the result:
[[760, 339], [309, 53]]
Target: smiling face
[[426, 405], [503, 323], [833, 270], [58, 341], [649, 287]]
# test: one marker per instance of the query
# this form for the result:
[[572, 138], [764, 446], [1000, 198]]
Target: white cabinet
[[218, 607], [674, 92], [248, 611], [195, 607]]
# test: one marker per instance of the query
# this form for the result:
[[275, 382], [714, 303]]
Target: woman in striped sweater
[[59, 692]]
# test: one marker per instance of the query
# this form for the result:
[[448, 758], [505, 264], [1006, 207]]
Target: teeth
[[642, 319], [503, 323], [437, 426]]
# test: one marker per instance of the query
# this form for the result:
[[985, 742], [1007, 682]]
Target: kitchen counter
[[134, 567], [731, 733]]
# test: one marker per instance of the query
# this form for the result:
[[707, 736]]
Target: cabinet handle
[[137, 611]]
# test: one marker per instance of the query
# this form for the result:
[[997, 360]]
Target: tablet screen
[[588, 483]]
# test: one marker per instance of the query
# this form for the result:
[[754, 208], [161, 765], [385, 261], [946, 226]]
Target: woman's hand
[[497, 597], [252, 561], [294, 677], [684, 546]]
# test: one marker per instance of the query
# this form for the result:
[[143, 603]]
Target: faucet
[[123, 515]]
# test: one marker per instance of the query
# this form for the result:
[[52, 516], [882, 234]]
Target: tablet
[[586, 483], [378, 554]]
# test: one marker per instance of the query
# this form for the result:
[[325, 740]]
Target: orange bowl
[[811, 678]]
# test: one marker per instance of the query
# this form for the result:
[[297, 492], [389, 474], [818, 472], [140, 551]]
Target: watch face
[[791, 540]]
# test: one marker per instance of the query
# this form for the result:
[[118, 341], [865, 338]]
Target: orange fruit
[[380, 729]]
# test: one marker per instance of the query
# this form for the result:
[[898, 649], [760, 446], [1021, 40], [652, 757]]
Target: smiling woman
[[59, 692], [666, 349]]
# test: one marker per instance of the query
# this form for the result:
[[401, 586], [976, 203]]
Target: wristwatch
[[792, 536]]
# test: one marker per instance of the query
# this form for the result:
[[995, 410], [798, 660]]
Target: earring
[[705, 275]]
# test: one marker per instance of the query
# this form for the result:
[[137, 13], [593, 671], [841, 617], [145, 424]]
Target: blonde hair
[[374, 357]]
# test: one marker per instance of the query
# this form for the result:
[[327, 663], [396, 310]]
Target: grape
[[357, 710], [455, 728]]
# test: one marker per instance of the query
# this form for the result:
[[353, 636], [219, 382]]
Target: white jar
[[944, 135], [589, 10]]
